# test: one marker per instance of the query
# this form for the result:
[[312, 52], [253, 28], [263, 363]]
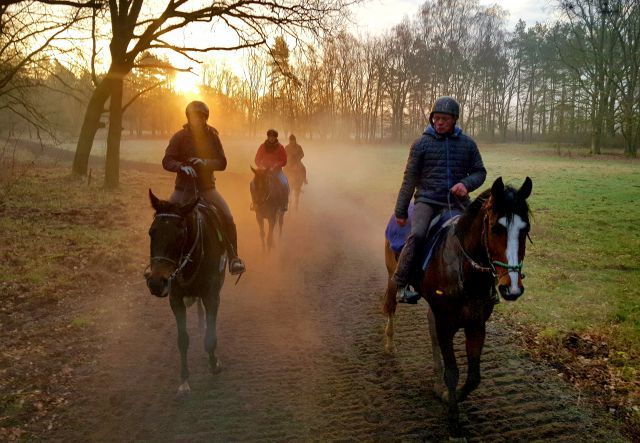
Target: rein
[[184, 259], [493, 263]]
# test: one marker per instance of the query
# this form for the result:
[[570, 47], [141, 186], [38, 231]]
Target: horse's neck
[[471, 235]]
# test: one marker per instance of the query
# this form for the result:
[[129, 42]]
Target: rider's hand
[[195, 161], [459, 190], [401, 222], [188, 170]]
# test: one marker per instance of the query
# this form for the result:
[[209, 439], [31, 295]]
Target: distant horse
[[267, 203], [187, 263], [486, 245], [295, 173]]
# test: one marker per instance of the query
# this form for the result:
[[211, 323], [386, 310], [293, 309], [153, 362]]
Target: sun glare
[[186, 83]]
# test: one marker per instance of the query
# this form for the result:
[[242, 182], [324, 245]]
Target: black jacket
[[435, 164], [183, 145]]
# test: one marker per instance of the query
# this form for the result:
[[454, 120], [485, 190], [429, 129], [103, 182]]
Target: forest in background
[[573, 81]]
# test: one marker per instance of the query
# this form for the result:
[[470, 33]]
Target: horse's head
[[168, 234], [263, 179], [506, 229]]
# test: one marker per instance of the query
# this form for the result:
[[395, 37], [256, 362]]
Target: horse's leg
[[439, 389], [272, 224], [390, 303], [180, 313], [280, 216], [451, 375], [474, 342], [211, 303], [261, 225], [201, 324]]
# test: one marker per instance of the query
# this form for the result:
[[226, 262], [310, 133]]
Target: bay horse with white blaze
[[188, 260], [485, 246], [267, 203]]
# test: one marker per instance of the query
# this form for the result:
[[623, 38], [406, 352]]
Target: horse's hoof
[[215, 369], [390, 349], [441, 393], [184, 390]]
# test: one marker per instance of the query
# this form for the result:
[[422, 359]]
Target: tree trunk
[[112, 162], [90, 125]]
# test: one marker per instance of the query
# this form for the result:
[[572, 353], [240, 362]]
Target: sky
[[376, 16]]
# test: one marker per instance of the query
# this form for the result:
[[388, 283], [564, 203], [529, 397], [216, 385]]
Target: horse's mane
[[465, 221], [166, 207], [509, 206]]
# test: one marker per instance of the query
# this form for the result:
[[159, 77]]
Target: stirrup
[[406, 295], [236, 266]]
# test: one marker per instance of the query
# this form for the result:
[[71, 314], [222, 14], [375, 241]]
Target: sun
[[186, 83]]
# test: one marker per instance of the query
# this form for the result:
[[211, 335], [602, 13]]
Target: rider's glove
[[188, 170]]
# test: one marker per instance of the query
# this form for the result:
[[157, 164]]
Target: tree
[[132, 33]]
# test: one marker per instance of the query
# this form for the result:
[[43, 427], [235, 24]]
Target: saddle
[[397, 235], [213, 218]]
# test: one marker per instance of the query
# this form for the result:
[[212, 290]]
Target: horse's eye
[[498, 229]]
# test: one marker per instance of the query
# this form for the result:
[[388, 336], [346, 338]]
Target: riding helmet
[[197, 106]]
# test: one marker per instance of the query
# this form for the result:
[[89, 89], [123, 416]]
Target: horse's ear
[[253, 169], [186, 209], [155, 201], [525, 190], [497, 189]]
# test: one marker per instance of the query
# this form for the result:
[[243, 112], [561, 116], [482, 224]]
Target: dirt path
[[300, 339]]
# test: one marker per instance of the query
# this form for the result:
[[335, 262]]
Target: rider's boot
[[236, 265], [403, 270]]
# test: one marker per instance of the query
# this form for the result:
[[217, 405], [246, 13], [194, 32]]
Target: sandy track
[[300, 339]]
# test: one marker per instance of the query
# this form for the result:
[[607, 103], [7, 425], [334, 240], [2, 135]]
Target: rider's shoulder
[[214, 131]]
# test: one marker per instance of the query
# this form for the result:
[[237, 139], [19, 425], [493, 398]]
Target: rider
[[271, 155], [443, 162], [194, 153], [295, 154]]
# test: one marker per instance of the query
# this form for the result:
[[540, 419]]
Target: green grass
[[583, 268]]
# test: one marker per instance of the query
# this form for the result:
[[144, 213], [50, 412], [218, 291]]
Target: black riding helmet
[[445, 105], [272, 132], [199, 107]]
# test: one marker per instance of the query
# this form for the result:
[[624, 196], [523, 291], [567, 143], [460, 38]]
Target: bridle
[[492, 263], [184, 258]]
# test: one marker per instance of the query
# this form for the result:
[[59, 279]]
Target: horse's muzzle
[[505, 292], [158, 286]]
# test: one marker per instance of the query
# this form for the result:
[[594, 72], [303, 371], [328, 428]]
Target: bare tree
[[133, 32]]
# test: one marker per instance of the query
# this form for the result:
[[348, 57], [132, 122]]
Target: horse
[[267, 204], [187, 264], [485, 246], [295, 173]]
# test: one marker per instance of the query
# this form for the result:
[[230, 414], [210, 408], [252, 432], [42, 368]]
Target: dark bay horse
[[485, 247], [188, 265], [295, 173], [267, 203]]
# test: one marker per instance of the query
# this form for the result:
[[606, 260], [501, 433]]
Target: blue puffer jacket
[[435, 164]]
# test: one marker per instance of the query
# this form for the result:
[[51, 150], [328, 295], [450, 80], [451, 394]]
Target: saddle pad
[[397, 235]]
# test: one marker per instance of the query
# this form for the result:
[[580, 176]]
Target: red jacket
[[275, 158]]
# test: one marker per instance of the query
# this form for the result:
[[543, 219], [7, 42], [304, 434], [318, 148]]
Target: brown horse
[[187, 264], [267, 203], [484, 247], [295, 173]]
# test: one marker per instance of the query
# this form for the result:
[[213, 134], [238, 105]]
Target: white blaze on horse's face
[[513, 227]]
